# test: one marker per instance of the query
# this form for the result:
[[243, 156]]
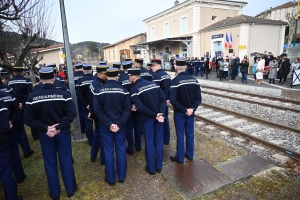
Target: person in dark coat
[[185, 96], [51, 111], [112, 107], [244, 69], [6, 174], [283, 70], [206, 67]]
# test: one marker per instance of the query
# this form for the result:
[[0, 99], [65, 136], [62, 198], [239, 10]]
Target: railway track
[[272, 98], [258, 101], [252, 129]]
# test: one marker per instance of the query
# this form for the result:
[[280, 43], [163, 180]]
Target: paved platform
[[264, 88], [196, 178]]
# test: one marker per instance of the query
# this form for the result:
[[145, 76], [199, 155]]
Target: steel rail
[[252, 101], [252, 118], [290, 153], [254, 95]]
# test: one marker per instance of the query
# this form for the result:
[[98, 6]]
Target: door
[[125, 53]]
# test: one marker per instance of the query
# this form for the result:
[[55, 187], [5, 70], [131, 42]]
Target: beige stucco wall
[[52, 56], [114, 51], [174, 21], [207, 13]]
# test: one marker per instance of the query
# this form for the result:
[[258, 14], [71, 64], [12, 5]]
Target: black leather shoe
[[174, 158], [102, 163], [93, 159], [166, 143], [151, 173], [70, 195], [21, 180], [130, 153], [28, 154], [188, 157], [53, 198], [138, 149], [19, 197], [121, 181], [158, 170], [111, 184]]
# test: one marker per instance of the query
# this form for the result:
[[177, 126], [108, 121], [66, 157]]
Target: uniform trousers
[[51, 147], [22, 137], [6, 175], [202, 71], [166, 127], [184, 127], [15, 155], [81, 118], [113, 141], [88, 125], [234, 72], [129, 133], [137, 127], [196, 70], [97, 144], [153, 133], [34, 134]]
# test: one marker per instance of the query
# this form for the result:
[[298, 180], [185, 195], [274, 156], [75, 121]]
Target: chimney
[[176, 3]]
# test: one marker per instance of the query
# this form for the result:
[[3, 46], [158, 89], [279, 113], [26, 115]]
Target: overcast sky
[[112, 20]]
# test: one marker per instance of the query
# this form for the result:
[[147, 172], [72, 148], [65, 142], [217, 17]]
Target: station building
[[196, 28]]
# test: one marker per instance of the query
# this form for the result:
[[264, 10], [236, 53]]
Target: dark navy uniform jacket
[[4, 124], [22, 86], [48, 106], [145, 74], [148, 98], [185, 93], [83, 89], [196, 62], [78, 75], [201, 63], [3, 72], [124, 81], [56, 83], [7, 89], [121, 73], [95, 84], [60, 79], [12, 105], [163, 80], [112, 104]]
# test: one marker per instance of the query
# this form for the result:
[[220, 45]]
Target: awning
[[172, 39]]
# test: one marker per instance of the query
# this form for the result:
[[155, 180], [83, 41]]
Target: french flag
[[230, 41], [227, 41]]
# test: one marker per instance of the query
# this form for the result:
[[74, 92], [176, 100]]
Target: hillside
[[80, 48]]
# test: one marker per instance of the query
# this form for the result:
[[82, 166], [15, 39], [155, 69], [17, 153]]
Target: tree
[[92, 47], [291, 20], [12, 10], [31, 32]]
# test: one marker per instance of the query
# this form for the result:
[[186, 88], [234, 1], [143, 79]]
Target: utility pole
[[76, 122]]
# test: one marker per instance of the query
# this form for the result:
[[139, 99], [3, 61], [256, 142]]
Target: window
[[285, 13], [214, 18], [183, 25], [109, 55], [166, 30], [279, 15], [153, 33], [153, 52], [114, 54], [167, 50], [294, 12], [275, 16]]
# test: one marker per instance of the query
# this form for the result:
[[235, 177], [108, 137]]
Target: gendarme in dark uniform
[[139, 63], [163, 79], [150, 100], [97, 144], [185, 97], [50, 111], [23, 87], [137, 142], [118, 66], [6, 174], [78, 75], [112, 107], [83, 96]]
